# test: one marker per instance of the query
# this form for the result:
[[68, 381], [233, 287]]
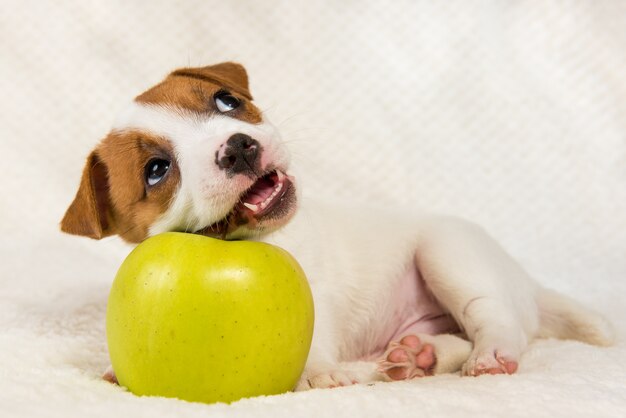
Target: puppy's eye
[[156, 170], [226, 102]]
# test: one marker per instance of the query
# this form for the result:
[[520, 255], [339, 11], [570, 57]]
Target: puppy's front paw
[[109, 376], [325, 377]]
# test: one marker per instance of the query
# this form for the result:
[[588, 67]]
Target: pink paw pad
[[408, 358]]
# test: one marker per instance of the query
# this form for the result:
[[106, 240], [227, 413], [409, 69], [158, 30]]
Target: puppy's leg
[[412, 356], [483, 288], [323, 369], [419, 355]]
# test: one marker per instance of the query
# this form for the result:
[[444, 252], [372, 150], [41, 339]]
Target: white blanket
[[512, 114]]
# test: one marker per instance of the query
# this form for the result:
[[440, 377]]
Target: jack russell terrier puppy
[[408, 295]]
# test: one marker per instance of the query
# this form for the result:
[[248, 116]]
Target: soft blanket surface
[[512, 114]]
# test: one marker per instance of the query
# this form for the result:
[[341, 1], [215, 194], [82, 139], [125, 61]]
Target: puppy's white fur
[[207, 194], [355, 258]]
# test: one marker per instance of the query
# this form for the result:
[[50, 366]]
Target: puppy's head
[[192, 154]]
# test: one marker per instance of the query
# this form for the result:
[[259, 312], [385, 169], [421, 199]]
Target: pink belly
[[416, 311]]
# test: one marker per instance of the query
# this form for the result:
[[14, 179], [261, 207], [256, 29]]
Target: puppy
[[399, 296]]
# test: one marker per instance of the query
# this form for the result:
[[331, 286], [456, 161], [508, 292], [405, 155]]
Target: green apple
[[207, 320]]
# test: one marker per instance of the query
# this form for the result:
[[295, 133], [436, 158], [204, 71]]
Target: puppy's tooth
[[280, 174], [254, 208]]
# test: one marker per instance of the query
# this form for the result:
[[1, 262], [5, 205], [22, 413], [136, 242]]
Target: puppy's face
[[191, 154]]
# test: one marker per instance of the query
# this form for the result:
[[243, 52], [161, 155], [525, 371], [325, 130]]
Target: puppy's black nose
[[239, 155]]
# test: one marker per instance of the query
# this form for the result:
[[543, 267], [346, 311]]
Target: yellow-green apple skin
[[206, 320]]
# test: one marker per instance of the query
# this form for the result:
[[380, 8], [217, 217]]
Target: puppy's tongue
[[264, 194], [261, 190]]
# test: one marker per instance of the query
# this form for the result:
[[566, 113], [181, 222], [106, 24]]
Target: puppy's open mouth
[[269, 197], [265, 194]]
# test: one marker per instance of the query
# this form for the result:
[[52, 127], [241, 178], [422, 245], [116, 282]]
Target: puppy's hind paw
[[407, 359], [490, 362]]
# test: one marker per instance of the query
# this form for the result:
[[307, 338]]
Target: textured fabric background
[[512, 114]]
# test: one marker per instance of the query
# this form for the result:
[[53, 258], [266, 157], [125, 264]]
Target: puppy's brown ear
[[229, 74], [89, 213]]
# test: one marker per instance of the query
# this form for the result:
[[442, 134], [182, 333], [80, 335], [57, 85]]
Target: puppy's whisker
[[190, 219], [267, 109], [289, 118], [304, 129], [296, 140]]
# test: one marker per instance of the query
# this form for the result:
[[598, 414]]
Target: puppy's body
[[355, 260], [377, 277], [412, 294]]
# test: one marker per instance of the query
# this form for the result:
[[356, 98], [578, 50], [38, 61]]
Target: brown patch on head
[[113, 197], [194, 89]]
